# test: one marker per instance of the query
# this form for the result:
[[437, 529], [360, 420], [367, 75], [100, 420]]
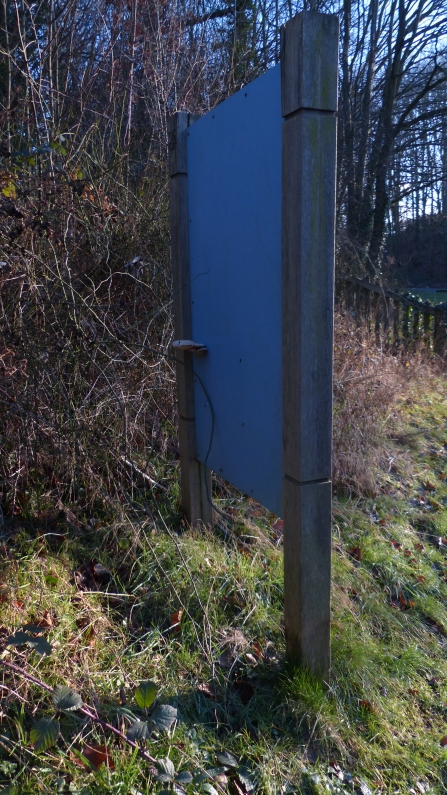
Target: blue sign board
[[234, 158]]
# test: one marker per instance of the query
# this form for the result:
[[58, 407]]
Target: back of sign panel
[[234, 199]]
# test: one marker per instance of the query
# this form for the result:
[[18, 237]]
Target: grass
[[377, 726]]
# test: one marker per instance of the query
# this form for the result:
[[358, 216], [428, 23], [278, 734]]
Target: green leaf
[[247, 778], [184, 777], [138, 730], [9, 790], [177, 789], [226, 759], [200, 776], [207, 787], [65, 699], [145, 693], [166, 770], [215, 771], [44, 733], [163, 717], [9, 189]]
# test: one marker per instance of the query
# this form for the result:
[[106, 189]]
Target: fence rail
[[396, 318]]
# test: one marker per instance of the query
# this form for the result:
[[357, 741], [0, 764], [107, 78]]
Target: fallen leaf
[[176, 619], [257, 651], [420, 578], [443, 742], [396, 544], [419, 547], [401, 603], [413, 691], [366, 705], [47, 622], [278, 525], [355, 553], [97, 755]]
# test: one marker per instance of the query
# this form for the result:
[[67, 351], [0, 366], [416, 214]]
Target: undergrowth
[[136, 598]]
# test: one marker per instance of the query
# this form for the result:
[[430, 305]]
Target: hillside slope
[[200, 613]]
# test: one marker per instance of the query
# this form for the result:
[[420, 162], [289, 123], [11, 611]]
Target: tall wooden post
[[195, 478], [309, 60]]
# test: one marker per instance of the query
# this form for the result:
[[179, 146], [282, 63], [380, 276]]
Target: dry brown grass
[[369, 380]]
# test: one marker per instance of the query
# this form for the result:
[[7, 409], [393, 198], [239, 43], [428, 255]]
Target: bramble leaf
[[246, 777], [44, 733], [145, 693], [166, 770], [65, 699], [227, 759], [184, 777], [138, 730], [163, 717], [207, 787]]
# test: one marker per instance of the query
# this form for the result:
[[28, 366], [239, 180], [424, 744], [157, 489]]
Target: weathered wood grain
[[195, 497], [309, 58], [307, 573], [309, 151]]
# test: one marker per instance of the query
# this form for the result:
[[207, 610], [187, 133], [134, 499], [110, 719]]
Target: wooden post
[[437, 344], [195, 478], [426, 322], [309, 58], [377, 317], [415, 323], [396, 321], [357, 304], [368, 309], [406, 321]]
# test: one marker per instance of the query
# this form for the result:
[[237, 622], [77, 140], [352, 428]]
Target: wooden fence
[[396, 319]]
